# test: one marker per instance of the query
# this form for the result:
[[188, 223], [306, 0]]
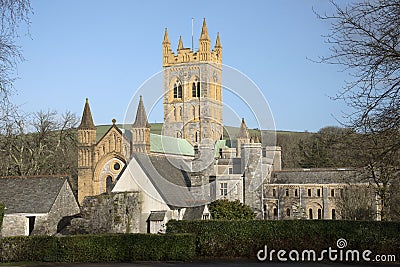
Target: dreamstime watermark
[[329, 254]]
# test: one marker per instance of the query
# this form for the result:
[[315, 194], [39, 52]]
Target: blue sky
[[105, 50]]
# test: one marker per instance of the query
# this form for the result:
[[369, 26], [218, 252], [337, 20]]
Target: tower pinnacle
[[141, 117], [204, 31], [180, 45], [218, 42], [243, 132], [166, 39], [87, 120]]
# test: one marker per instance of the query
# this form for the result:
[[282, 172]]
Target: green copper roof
[[158, 143], [218, 145], [170, 145]]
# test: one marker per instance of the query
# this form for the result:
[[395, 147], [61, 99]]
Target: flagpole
[[192, 34]]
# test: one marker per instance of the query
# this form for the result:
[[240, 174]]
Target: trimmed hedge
[[228, 239], [2, 208], [98, 248]]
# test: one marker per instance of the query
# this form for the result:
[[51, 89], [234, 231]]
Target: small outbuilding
[[36, 205]]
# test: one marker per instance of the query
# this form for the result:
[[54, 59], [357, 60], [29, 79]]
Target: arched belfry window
[[196, 88], [177, 89]]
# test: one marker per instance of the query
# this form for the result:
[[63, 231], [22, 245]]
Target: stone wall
[[108, 213], [14, 225]]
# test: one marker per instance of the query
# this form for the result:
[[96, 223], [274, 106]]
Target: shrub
[[245, 238], [98, 248], [223, 209]]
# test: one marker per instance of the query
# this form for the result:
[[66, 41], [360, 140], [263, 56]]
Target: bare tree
[[365, 40], [13, 13], [41, 143], [357, 203]]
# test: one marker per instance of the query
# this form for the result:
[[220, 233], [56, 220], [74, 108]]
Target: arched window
[[196, 88], [333, 214], [197, 136], [319, 214], [288, 212], [177, 89], [310, 214]]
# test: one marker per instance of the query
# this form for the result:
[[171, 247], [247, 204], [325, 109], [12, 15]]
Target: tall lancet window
[[177, 89], [196, 88]]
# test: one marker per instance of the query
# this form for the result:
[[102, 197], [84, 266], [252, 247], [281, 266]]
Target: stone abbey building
[[174, 175]]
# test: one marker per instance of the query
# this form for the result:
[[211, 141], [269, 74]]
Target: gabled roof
[[30, 195], [114, 126], [87, 119], [170, 181], [157, 215]]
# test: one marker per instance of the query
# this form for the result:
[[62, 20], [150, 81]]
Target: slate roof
[[171, 182], [30, 195], [157, 215], [314, 176], [194, 213]]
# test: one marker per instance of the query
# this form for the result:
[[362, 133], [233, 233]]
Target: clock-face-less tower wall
[[193, 90]]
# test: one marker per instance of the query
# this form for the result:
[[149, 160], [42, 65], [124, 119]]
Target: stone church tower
[[86, 143], [193, 90]]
